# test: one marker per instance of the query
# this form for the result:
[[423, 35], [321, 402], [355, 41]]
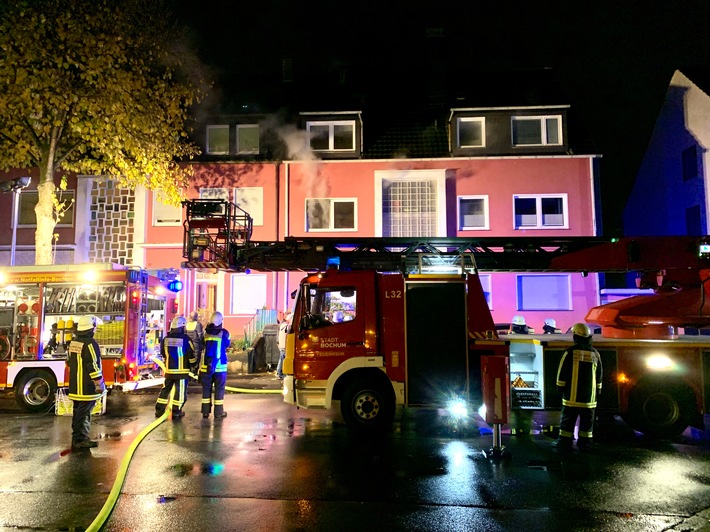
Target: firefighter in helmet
[[579, 379], [86, 382], [213, 368], [179, 355], [519, 326]]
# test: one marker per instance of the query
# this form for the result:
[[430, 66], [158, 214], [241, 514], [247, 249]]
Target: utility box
[[495, 376], [271, 344]]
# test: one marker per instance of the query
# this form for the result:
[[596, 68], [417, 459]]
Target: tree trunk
[[44, 211]]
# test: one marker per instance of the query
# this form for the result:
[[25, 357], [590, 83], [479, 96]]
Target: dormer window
[[218, 140], [537, 130], [336, 135], [247, 139], [471, 132]]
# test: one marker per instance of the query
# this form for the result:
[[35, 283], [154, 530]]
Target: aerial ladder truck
[[379, 322]]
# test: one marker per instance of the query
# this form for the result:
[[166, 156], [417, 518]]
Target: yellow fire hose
[[110, 503]]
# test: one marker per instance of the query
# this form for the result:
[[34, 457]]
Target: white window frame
[[159, 222], [207, 139], [251, 200], [481, 120], [247, 293], [486, 219], [331, 134], [221, 193], [331, 227], [543, 130], [241, 151], [539, 224], [56, 192], [535, 303]]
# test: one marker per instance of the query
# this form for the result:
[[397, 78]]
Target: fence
[[255, 326]]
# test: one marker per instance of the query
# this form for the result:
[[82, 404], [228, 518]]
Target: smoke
[[299, 149]]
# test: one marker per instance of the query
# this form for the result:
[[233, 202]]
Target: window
[[164, 214], [471, 132], [214, 193], [689, 159], [473, 212], [486, 285], [218, 140], [413, 203], [248, 138], [332, 136], [331, 214], [26, 214], [537, 130], [544, 292], [251, 199], [248, 293], [330, 306], [540, 211]]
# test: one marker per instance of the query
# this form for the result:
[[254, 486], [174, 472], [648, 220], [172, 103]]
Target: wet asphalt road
[[268, 466]]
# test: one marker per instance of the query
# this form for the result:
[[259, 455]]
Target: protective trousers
[[81, 421], [568, 421], [217, 380], [179, 382]]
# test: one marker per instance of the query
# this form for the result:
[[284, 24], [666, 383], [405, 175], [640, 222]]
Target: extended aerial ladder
[[218, 236]]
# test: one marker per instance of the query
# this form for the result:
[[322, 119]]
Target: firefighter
[[519, 326], [550, 327], [86, 383], [196, 333], [283, 329], [213, 368], [179, 354], [579, 379]]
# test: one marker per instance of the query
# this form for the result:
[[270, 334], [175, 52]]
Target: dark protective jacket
[[579, 376], [84, 361], [214, 359], [178, 351], [196, 333]]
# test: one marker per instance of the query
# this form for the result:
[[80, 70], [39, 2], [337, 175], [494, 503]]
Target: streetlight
[[15, 186]]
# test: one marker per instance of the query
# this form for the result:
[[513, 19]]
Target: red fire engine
[[39, 307], [384, 326]]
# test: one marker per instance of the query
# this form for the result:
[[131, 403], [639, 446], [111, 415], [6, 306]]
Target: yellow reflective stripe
[[94, 362]]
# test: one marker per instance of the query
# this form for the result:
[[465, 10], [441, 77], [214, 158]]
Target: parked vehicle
[[39, 307], [408, 334]]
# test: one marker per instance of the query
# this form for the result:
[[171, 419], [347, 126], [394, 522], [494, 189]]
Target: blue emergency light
[[175, 285], [332, 262]]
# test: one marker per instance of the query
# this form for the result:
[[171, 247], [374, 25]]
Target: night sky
[[614, 59]]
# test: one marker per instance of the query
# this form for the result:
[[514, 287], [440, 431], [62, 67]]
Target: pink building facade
[[464, 197], [469, 172]]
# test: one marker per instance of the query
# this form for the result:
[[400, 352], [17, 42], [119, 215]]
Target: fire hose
[[98, 523]]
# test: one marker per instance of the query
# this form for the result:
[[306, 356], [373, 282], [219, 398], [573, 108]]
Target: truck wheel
[[658, 411], [35, 391], [365, 406]]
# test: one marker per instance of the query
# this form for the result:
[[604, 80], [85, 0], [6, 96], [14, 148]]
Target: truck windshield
[[328, 306]]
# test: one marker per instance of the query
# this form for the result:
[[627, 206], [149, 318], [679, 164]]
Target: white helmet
[[518, 320], [550, 322], [178, 322], [88, 322], [581, 329], [217, 318]]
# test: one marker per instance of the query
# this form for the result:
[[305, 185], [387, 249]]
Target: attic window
[[537, 130], [338, 135], [218, 140], [471, 132]]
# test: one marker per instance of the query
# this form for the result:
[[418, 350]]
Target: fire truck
[[40, 307], [386, 322]]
